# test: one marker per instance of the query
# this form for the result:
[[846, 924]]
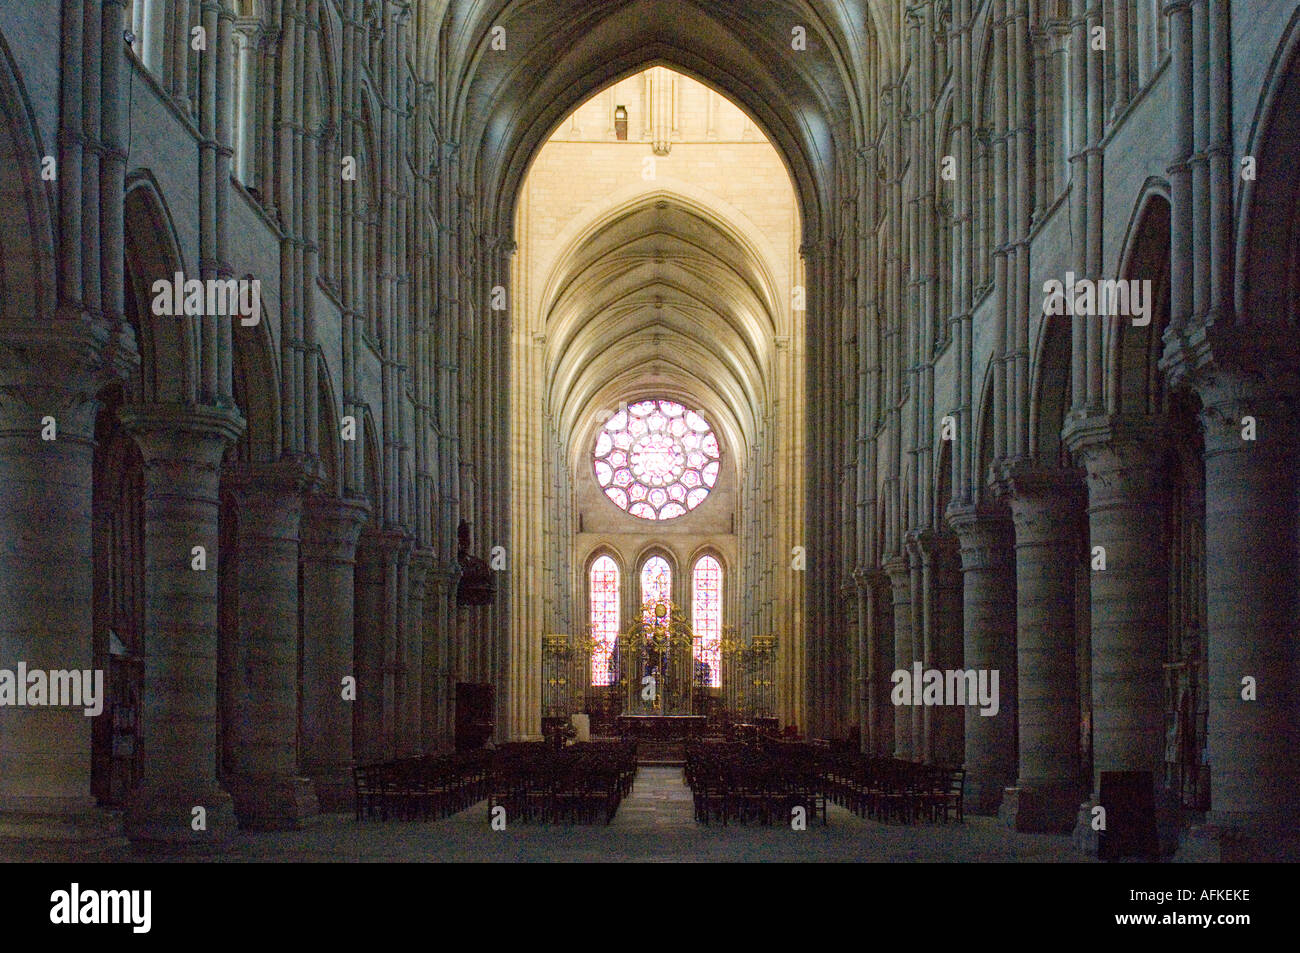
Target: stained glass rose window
[[657, 460]]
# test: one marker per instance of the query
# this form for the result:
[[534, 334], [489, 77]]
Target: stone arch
[[27, 245], [1134, 382], [373, 480], [729, 220], [1050, 393], [586, 48], [118, 560], [943, 484], [1267, 290], [257, 394], [590, 286], [605, 549], [169, 345], [331, 446], [983, 450], [708, 549]]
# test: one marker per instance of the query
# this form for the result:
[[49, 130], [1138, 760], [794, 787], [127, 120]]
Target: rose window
[[657, 459]]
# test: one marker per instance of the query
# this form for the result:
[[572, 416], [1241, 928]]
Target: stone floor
[[654, 823]]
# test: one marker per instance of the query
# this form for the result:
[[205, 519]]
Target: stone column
[[944, 647], [182, 449], [1126, 514], [1251, 568], [988, 643], [260, 720], [900, 579], [1046, 506], [863, 668], [436, 679], [880, 662], [46, 584], [922, 616], [368, 648], [399, 692], [412, 742], [330, 530]]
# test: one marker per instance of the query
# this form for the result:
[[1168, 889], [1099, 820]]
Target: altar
[[661, 739]]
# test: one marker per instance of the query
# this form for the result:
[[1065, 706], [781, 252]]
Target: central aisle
[[660, 800]]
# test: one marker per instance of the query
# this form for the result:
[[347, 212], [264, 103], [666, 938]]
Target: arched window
[[706, 617], [656, 580], [604, 619]]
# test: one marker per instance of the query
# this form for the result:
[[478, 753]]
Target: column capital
[[928, 545], [385, 544], [1199, 353], [985, 534], [182, 434], [899, 574], [419, 567], [57, 368], [868, 578], [289, 475], [1044, 501], [1122, 455], [331, 527], [1231, 400]]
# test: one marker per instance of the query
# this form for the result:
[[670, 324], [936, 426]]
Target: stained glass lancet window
[[656, 581], [604, 619], [706, 586], [657, 459]]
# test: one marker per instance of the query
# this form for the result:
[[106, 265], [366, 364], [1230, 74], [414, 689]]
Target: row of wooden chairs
[[580, 784], [743, 783], [420, 788], [888, 789]]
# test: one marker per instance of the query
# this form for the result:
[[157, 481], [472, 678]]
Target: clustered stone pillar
[[45, 588], [330, 529], [178, 799], [1045, 506], [381, 623], [989, 643]]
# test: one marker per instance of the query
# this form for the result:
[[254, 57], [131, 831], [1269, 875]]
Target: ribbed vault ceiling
[[660, 301]]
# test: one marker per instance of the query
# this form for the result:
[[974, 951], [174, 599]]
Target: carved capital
[[331, 527], [1238, 406], [1124, 457], [900, 577], [384, 546], [182, 445], [1045, 502], [986, 537], [57, 369]]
